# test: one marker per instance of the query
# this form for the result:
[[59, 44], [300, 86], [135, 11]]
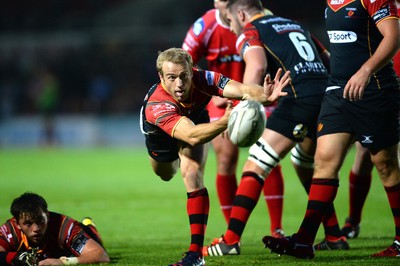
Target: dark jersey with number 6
[[289, 46]]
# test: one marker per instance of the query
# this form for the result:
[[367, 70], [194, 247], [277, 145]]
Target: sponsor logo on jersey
[[341, 36], [198, 26], [223, 81], [310, 67], [161, 108], [381, 14], [280, 28], [335, 5], [350, 12], [210, 77], [230, 58]]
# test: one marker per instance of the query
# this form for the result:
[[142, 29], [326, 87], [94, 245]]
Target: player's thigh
[[193, 158], [278, 142], [224, 148], [362, 164], [330, 154]]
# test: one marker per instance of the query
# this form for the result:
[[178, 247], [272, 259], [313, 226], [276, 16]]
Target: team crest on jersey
[[198, 26], [335, 5]]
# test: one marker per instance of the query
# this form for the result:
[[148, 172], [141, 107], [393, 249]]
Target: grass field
[[143, 219]]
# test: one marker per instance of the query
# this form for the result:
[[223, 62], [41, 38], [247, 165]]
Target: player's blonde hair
[[174, 55]]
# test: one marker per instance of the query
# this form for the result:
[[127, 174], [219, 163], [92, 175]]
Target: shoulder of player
[[204, 24], [372, 6], [10, 235], [159, 95], [249, 37], [59, 221]]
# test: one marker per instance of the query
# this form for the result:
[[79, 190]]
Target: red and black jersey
[[289, 46], [161, 111], [64, 237], [354, 36], [208, 37]]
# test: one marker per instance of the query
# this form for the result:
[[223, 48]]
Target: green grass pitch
[[143, 219]]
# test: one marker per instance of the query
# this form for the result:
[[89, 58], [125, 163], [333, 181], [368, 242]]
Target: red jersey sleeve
[[380, 10], [248, 39], [71, 235], [164, 114], [10, 236]]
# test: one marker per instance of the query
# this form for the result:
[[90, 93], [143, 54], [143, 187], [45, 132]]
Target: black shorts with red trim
[[161, 146], [373, 120], [296, 118]]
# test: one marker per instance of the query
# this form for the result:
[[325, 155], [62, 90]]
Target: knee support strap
[[263, 155], [300, 158]]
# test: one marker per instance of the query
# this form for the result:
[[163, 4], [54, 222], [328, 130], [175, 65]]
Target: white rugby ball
[[246, 123]]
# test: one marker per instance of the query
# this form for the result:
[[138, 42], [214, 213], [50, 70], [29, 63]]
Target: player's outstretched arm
[[266, 94], [187, 131], [92, 253]]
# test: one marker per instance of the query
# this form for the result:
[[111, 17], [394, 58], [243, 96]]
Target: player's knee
[[300, 158], [166, 171], [263, 155]]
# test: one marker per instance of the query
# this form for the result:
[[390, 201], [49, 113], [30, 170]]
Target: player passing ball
[[177, 130]]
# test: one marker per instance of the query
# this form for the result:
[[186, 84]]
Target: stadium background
[[87, 65]]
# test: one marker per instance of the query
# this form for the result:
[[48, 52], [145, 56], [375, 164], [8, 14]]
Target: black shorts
[[164, 148], [374, 120], [296, 118]]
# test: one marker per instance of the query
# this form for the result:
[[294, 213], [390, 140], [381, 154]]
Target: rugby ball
[[246, 123]]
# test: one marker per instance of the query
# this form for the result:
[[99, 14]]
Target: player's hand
[[228, 111], [273, 88], [355, 87], [225, 117], [26, 258], [219, 101]]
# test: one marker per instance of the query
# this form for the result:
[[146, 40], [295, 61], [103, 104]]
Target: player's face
[[177, 80], [34, 228], [234, 23]]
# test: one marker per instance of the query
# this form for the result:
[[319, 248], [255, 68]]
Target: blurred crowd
[[93, 57]]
